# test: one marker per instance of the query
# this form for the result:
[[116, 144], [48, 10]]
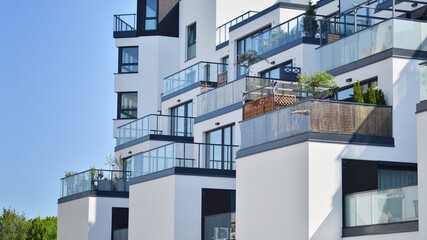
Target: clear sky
[[57, 102]]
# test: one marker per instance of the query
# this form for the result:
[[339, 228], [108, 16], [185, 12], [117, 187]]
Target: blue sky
[[56, 95]]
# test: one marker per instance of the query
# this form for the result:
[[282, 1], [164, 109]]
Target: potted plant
[[318, 84], [309, 21]]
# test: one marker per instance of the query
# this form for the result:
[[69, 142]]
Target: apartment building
[[217, 140]]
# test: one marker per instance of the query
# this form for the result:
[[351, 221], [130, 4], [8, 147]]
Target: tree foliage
[[318, 82], [371, 96], [309, 21], [15, 226], [43, 229]]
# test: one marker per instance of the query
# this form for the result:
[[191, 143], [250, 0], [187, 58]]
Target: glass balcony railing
[[373, 40], [207, 73], [157, 125], [187, 155], [124, 22], [232, 92], [95, 179], [317, 116], [381, 206], [285, 33], [222, 32]]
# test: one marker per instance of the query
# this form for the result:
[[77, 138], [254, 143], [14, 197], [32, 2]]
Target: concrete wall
[[422, 172], [87, 218], [170, 207]]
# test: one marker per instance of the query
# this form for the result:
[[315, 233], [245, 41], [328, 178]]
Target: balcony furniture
[[222, 78]]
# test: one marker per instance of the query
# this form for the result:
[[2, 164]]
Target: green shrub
[[371, 96], [380, 97], [357, 93]]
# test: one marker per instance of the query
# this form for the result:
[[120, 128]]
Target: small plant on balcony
[[357, 93], [379, 94], [370, 96], [248, 58], [318, 84], [309, 21]]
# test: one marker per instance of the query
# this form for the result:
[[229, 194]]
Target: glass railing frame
[[381, 218], [158, 128], [95, 180], [168, 88], [226, 26], [193, 157], [119, 22]]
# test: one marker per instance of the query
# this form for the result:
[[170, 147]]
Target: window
[[346, 93], [151, 15], [219, 148], [120, 223], [278, 72], [182, 122], [128, 60], [224, 61], [191, 41], [244, 45], [127, 105]]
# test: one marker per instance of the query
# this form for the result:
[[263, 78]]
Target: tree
[[318, 83], [380, 97], [357, 93], [371, 96], [13, 226], [43, 229], [309, 21]]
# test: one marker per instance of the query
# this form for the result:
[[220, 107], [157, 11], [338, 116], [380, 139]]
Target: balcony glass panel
[[95, 179], [204, 72], [373, 40], [222, 32], [381, 206], [155, 124], [341, 118], [188, 155]]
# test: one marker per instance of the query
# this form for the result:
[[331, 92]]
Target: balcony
[[205, 74], [318, 116], [156, 125], [376, 39], [185, 155], [381, 206], [222, 32], [124, 25], [284, 34], [232, 92], [95, 180]]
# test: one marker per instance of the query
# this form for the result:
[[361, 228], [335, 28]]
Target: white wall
[[272, 194], [158, 58], [87, 218], [170, 207], [422, 172]]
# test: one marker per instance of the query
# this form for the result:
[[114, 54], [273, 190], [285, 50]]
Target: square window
[[128, 60]]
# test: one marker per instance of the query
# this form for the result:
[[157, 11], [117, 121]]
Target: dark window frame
[[121, 65], [191, 41], [281, 66], [121, 111], [151, 18], [223, 150], [175, 121], [363, 84]]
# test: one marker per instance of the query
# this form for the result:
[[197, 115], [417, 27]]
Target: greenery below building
[[15, 226]]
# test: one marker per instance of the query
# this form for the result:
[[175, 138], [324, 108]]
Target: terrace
[[124, 25], [95, 180], [184, 155], [205, 74], [155, 125], [244, 90], [316, 116]]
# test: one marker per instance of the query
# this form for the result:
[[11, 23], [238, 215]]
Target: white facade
[[290, 183], [87, 218]]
